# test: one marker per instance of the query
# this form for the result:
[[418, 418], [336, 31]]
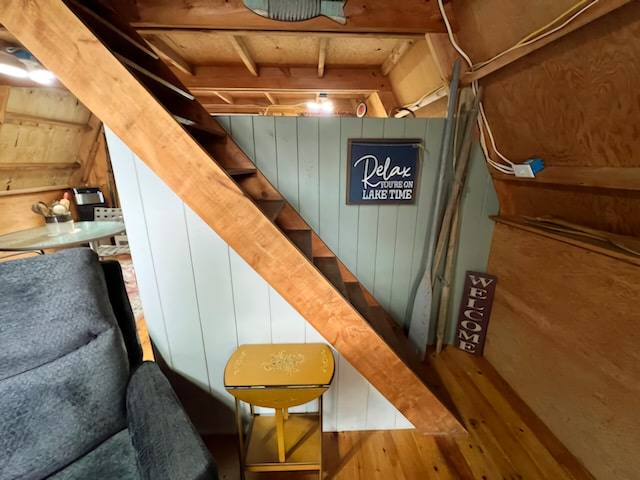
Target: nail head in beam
[[396, 54], [169, 54], [322, 55], [241, 49]]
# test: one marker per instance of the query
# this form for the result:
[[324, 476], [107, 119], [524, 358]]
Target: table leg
[[280, 433]]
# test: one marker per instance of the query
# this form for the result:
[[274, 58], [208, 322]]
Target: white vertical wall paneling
[[165, 216], [405, 238], [215, 299], [387, 228], [347, 214], [368, 222], [265, 147], [353, 393], [286, 130], [308, 170], [251, 299], [329, 150], [124, 166], [241, 128]]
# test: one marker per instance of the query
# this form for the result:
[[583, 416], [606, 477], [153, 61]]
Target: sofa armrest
[[166, 442]]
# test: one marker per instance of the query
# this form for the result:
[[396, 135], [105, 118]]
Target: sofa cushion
[[50, 305], [63, 381], [114, 459]]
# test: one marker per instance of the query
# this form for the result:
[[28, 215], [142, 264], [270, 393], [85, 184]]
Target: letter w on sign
[[475, 309]]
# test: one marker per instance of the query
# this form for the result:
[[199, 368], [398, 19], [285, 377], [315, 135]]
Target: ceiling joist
[[169, 54], [241, 49], [208, 80], [396, 54], [409, 16], [322, 55]]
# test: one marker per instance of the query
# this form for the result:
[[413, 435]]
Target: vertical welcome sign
[[383, 171], [475, 310]]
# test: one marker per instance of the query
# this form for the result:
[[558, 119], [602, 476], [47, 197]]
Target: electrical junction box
[[529, 168]]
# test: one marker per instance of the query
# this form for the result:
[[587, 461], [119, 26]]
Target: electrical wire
[[533, 37]]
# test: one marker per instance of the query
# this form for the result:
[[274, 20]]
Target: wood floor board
[[494, 449]]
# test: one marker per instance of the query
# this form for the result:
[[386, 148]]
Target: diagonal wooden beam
[[598, 10], [396, 54], [169, 54], [225, 97], [408, 16], [275, 79], [271, 98], [64, 44], [322, 55], [241, 49]]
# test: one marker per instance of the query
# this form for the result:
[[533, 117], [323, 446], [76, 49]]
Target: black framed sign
[[382, 171]]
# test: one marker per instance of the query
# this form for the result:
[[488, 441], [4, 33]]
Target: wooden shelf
[[614, 178], [593, 245], [40, 166]]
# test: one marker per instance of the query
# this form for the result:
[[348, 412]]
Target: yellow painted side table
[[280, 376]]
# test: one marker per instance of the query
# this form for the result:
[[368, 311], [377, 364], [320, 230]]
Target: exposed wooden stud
[[55, 35], [598, 10], [22, 119], [40, 166], [225, 97], [322, 55], [409, 16], [295, 79], [169, 54], [271, 98], [375, 107], [89, 148], [615, 178], [241, 49], [155, 77], [28, 191], [145, 30], [396, 54], [444, 55]]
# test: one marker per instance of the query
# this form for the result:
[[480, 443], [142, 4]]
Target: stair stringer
[[86, 67]]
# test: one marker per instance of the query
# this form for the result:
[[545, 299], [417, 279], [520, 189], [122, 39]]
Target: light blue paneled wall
[[201, 300]]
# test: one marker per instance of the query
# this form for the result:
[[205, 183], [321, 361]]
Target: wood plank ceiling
[[237, 62]]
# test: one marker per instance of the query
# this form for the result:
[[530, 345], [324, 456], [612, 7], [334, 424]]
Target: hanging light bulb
[[321, 105]]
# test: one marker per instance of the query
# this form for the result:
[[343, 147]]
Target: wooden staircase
[[111, 69]]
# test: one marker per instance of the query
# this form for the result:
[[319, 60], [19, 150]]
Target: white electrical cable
[[483, 124]]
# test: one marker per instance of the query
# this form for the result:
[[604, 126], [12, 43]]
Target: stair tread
[[241, 171], [271, 208], [107, 24], [302, 240], [329, 268], [356, 296], [191, 124], [148, 74]]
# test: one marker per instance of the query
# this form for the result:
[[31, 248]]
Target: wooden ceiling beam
[[241, 49], [322, 55], [146, 31], [209, 79], [271, 98], [396, 54], [169, 54], [225, 97], [409, 16], [596, 11]]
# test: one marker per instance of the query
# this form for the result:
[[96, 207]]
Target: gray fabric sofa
[[76, 401]]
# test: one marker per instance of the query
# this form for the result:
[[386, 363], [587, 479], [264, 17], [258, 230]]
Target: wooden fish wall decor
[[296, 10]]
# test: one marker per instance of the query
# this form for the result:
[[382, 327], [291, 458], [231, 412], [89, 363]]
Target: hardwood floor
[[505, 441]]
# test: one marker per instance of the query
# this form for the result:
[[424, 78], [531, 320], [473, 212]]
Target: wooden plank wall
[[564, 325], [201, 300], [564, 334], [47, 142]]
